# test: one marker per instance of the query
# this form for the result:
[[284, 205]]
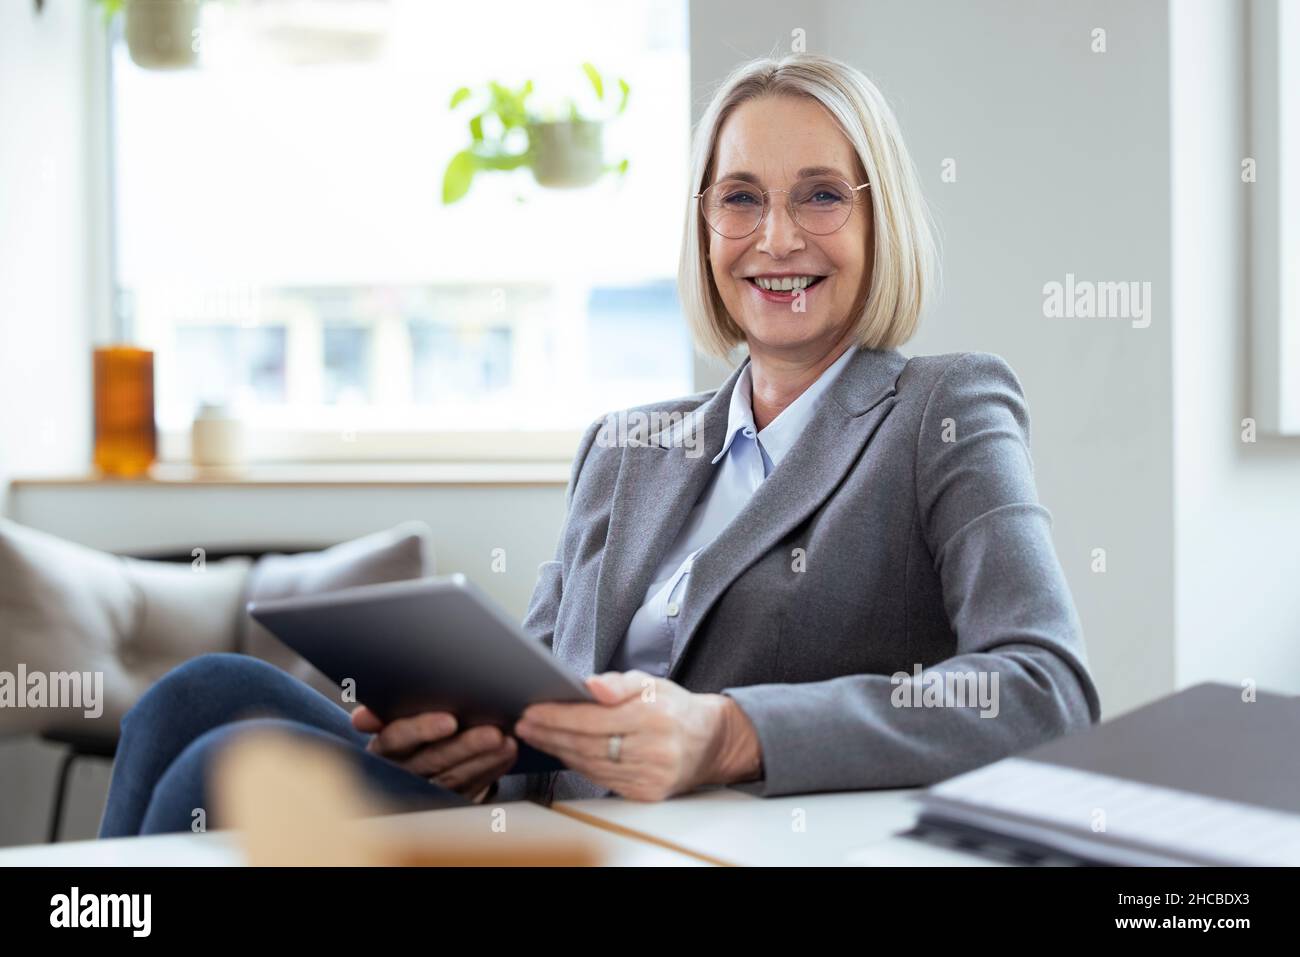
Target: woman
[[830, 573]]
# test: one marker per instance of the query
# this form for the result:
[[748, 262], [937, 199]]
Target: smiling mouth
[[785, 285]]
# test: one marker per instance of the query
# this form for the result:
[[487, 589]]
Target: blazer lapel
[[832, 441], [658, 484]]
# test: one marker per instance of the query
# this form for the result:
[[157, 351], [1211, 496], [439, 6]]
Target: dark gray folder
[[1203, 776]]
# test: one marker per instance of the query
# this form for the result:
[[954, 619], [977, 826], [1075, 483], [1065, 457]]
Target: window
[[282, 245]]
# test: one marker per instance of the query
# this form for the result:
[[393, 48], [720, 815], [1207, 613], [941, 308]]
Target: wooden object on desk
[[295, 803]]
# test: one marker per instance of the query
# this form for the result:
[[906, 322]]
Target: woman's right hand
[[430, 745]]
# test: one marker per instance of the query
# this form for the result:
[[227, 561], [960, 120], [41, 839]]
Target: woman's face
[[772, 139]]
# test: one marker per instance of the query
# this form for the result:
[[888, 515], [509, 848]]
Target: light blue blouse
[[748, 456]]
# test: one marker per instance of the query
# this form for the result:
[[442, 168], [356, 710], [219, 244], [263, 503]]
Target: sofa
[[125, 620]]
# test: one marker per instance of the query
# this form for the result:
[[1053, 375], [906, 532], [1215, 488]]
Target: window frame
[[1274, 111]]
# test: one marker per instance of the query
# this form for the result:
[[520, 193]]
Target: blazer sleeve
[[1006, 599], [539, 619]]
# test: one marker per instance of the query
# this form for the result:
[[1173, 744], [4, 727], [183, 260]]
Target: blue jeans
[[169, 737]]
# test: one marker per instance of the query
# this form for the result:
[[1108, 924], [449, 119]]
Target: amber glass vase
[[126, 438]]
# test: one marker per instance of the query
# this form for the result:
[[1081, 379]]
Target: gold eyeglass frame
[[767, 206]]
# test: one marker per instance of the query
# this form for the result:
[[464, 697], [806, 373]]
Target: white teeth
[[785, 283]]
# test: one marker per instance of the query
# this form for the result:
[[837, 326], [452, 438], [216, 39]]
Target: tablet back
[[427, 644]]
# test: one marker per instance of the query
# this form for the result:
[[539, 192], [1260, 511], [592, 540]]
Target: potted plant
[[160, 34], [563, 151]]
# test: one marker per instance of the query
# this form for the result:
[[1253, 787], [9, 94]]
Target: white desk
[[216, 849], [721, 826], [734, 827], [525, 824]]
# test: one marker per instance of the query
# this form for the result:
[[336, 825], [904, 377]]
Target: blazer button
[[672, 609]]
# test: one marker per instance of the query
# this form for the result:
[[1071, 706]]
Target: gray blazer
[[911, 495]]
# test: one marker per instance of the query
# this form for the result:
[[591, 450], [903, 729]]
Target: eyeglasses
[[820, 204]]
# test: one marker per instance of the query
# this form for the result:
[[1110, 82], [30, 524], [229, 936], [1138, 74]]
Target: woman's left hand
[[672, 740]]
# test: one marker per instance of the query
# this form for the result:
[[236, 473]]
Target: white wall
[[44, 243], [45, 312], [1237, 504]]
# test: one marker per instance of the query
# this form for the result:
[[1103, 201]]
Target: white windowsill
[[368, 446], [388, 474]]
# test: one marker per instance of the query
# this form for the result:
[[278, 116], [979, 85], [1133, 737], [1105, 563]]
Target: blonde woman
[[830, 573]]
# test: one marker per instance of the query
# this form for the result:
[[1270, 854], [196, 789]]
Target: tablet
[[425, 644]]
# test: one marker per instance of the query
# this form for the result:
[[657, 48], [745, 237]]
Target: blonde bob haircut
[[906, 260]]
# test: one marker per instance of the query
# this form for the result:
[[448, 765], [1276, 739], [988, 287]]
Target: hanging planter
[[163, 34], [507, 135], [160, 34], [566, 154]]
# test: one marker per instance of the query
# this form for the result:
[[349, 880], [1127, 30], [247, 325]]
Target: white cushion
[[65, 607], [395, 554]]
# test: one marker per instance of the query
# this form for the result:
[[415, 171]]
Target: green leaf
[[501, 161], [460, 96], [476, 128], [508, 105], [625, 89], [460, 173], [596, 82], [110, 8], [622, 167]]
